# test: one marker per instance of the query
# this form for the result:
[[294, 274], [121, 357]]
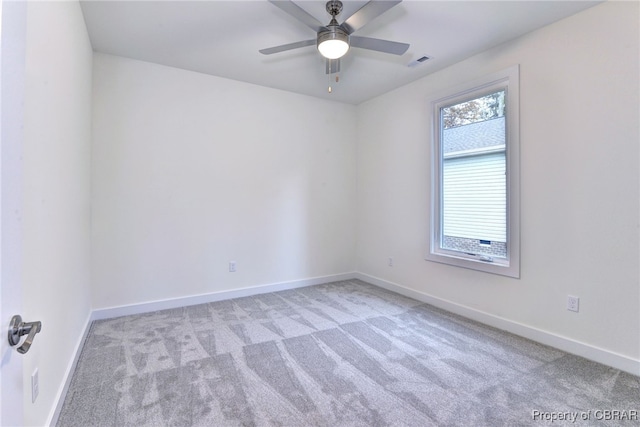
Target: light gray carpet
[[339, 354]]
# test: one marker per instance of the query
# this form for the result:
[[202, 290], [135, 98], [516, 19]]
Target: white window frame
[[509, 81]]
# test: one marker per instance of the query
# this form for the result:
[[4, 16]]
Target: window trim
[[507, 79]]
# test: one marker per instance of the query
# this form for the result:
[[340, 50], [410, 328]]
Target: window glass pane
[[473, 192], [475, 110]]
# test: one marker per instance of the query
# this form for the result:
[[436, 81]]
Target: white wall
[[56, 196], [579, 183], [192, 171]]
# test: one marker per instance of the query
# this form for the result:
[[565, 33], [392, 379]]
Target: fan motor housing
[[333, 33]]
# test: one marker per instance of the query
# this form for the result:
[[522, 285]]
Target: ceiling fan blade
[[289, 46], [333, 66], [300, 14], [385, 46], [366, 13]]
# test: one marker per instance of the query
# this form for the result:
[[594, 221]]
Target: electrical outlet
[[35, 386], [232, 266], [390, 262], [573, 303]]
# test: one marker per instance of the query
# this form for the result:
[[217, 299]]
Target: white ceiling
[[222, 38]]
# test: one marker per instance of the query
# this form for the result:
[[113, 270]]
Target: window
[[475, 176]]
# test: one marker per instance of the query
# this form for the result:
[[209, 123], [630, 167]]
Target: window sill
[[497, 266]]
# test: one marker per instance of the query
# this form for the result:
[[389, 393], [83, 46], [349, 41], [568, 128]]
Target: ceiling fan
[[334, 40]]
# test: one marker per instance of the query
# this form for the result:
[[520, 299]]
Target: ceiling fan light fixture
[[333, 44]]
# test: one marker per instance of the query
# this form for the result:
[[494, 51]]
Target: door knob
[[18, 328]]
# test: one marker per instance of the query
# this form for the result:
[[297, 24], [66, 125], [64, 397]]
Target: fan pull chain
[[330, 89]]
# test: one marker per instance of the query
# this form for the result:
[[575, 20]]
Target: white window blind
[[474, 197]]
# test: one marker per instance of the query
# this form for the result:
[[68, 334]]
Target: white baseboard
[[147, 307], [615, 360], [68, 375]]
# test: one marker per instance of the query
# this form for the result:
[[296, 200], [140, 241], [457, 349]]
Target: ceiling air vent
[[418, 61]]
